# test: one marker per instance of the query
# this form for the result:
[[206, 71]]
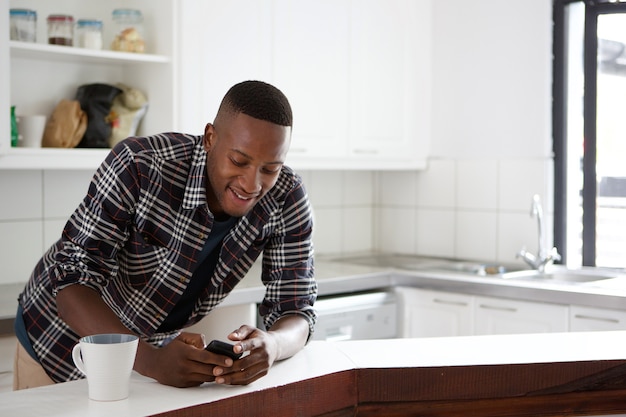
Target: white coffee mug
[[107, 361], [31, 128]]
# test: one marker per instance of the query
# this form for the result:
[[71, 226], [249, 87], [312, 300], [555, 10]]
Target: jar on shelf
[[60, 29], [128, 31], [23, 25], [89, 34]]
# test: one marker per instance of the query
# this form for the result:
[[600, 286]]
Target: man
[[170, 224]]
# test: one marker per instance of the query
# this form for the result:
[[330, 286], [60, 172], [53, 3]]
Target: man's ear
[[209, 136]]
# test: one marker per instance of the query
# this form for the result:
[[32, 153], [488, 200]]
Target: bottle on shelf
[[23, 25], [60, 29], [129, 31], [89, 34]]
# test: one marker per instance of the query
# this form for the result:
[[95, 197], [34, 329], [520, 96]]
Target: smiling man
[[169, 226]]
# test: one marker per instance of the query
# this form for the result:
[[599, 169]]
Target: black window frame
[[559, 121]]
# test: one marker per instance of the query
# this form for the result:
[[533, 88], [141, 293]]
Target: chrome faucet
[[543, 258]]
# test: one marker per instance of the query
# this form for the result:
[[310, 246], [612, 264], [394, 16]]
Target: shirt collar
[[195, 190]]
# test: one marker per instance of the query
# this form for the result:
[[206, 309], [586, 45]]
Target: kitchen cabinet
[[429, 313], [220, 43], [224, 319], [506, 316], [356, 73], [40, 75], [584, 319]]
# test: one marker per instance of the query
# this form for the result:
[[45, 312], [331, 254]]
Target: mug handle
[[78, 359]]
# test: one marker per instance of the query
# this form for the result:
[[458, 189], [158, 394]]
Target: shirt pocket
[[141, 257]]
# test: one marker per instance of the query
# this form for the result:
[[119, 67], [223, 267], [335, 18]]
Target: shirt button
[[201, 235]]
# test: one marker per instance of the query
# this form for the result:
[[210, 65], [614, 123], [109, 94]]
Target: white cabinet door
[[505, 316], [220, 43], [389, 73], [310, 54], [426, 313], [584, 319]]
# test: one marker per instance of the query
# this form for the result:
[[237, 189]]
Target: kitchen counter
[[336, 275], [548, 374], [346, 275]]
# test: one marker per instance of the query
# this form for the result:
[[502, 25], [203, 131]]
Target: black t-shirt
[[205, 268]]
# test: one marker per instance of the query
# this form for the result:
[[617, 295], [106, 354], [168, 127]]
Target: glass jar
[[128, 31], [23, 25], [60, 29], [89, 34]]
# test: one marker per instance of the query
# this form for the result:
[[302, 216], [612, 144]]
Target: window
[[590, 132]]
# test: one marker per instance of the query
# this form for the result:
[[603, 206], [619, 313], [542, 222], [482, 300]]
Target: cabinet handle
[[366, 151], [500, 308], [606, 319], [450, 302]]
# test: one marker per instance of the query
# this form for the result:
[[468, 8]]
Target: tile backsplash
[[474, 209]]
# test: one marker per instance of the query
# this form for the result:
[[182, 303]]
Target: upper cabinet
[[390, 79], [357, 74]]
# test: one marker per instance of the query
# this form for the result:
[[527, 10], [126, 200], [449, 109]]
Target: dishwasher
[[356, 316]]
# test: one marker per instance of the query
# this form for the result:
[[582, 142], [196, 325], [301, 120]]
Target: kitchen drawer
[[583, 319]]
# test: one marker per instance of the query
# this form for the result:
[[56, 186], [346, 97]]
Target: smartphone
[[223, 348]]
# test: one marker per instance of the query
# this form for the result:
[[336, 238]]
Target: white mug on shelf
[[31, 128]]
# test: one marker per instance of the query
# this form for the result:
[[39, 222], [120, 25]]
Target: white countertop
[[335, 276], [322, 358]]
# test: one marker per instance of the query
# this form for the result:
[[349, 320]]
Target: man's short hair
[[260, 100]]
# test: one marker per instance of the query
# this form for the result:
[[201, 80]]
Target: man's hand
[[181, 363], [283, 340]]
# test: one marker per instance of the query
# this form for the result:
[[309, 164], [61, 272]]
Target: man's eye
[[237, 163], [271, 170]]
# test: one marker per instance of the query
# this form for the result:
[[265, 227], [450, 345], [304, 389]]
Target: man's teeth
[[240, 196]]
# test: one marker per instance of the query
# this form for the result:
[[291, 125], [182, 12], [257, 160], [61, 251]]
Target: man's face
[[244, 158]]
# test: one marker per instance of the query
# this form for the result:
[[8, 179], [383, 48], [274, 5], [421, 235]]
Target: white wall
[[36, 204], [490, 153], [491, 145]]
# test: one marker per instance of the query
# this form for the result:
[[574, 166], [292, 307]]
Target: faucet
[[543, 258]]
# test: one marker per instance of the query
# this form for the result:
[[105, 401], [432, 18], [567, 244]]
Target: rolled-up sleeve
[[288, 263]]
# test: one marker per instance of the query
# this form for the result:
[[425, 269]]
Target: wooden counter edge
[[535, 389]]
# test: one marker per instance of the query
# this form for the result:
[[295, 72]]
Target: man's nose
[[251, 181]]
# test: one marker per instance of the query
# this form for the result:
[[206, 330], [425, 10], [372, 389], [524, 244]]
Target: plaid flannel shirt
[[136, 236]]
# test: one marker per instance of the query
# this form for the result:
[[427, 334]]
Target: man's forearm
[[86, 313], [291, 334]]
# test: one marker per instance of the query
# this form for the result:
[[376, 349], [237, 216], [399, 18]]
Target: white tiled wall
[[33, 209], [475, 209], [36, 204], [343, 204], [471, 208]]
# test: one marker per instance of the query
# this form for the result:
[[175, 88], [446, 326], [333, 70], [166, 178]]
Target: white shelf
[[43, 51], [52, 158]]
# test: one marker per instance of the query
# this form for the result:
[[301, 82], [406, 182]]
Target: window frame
[[559, 123]]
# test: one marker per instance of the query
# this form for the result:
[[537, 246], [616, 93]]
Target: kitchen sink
[[563, 275], [554, 273], [468, 268]]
